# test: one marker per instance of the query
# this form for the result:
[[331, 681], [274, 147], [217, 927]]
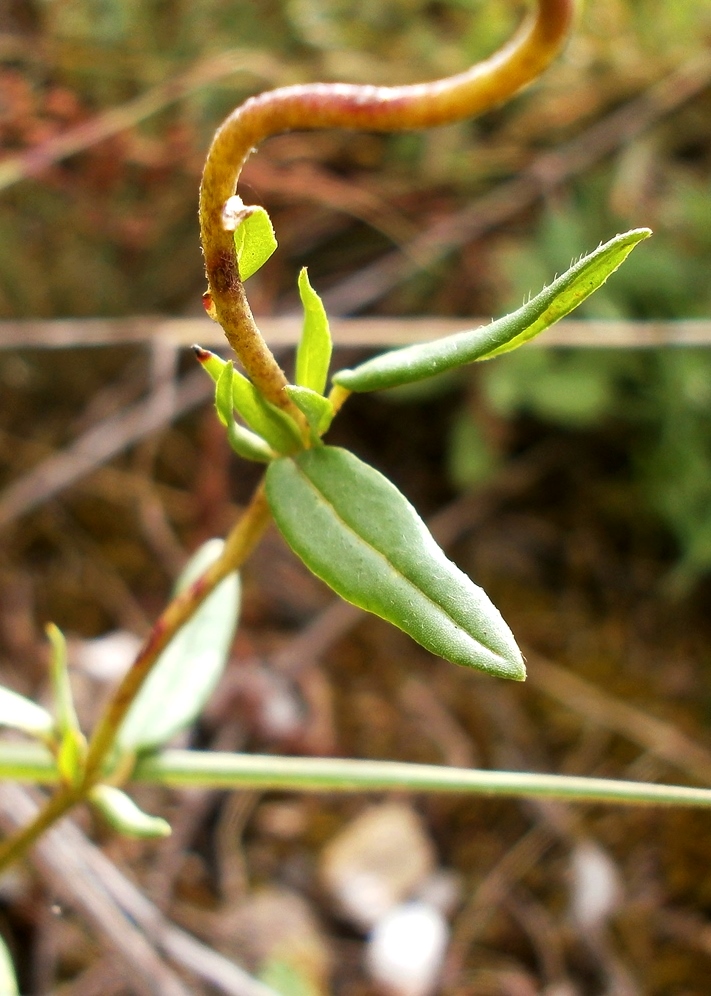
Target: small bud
[[209, 306]]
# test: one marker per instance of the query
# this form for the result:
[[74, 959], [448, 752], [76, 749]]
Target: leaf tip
[[201, 355]]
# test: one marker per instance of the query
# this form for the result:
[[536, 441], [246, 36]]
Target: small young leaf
[[63, 700], [245, 443], [187, 671], [254, 235], [8, 979], [354, 530], [313, 354], [19, 713], [267, 421], [71, 756], [317, 409], [122, 813], [211, 363], [403, 366]]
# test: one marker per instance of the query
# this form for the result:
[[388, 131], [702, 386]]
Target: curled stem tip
[[336, 105]]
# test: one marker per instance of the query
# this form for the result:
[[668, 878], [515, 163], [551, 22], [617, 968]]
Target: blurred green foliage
[[660, 399]]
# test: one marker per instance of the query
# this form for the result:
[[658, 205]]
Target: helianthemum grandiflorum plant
[[346, 521]]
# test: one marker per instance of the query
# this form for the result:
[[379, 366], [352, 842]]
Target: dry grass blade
[[349, 333]]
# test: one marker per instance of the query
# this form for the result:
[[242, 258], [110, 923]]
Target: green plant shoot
[[413, 363]]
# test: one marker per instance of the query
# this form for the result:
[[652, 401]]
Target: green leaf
[[313, 354], [8, 979], [212, 364], [71, 756], [122, 813], [61, 686], [403, 366], [354, 530], [187, 671], [317, 409], [267, 421], [19, 713], [72, 742], [254, 237], [245, 443]]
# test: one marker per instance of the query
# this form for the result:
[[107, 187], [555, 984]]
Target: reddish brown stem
[[336, 105], [238, 546]]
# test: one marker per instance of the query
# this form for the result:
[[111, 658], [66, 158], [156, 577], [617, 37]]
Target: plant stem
[[37, 764], [212, 769], [215, 770], [238, 546], [14, 846], [317, 106]]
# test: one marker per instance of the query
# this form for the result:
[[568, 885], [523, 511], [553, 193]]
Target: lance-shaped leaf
[[245, 443], [354, 529], [20, 713], [122, 813], [267, 421], [254, 235], [313, 354], [317, 409], [61, 686], [187, 671], [404, 366], [72, 742]]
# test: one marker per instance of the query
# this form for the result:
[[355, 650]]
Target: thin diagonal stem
[[240, 543], [17, 844]]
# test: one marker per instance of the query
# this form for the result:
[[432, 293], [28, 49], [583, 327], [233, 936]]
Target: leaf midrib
[[390, 564]]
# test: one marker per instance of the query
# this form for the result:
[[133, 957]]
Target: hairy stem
[[316, 106], [240, 543]]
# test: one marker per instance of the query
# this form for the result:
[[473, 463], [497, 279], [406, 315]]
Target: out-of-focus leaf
[[354, 530], [61, 686], [187, 671], [72, 745], [122, 813], [313, 354], [8, 979], [71, 756], [20, 713], [402, 366]]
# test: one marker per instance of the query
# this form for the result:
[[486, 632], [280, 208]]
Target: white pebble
[[406, 949], [596, 888]]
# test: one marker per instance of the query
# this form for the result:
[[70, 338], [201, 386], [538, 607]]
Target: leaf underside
[[354, 530]]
